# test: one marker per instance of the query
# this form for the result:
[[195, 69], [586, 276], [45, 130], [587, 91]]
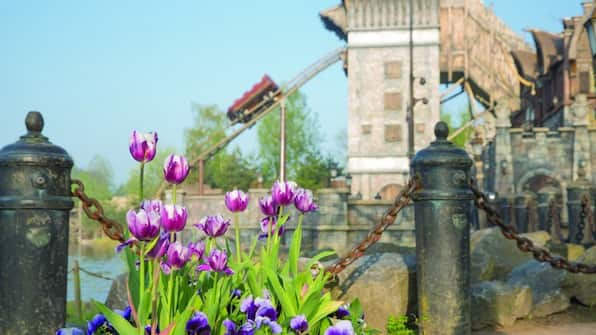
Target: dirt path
[[573, 329]]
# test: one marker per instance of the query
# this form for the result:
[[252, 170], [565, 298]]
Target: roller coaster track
[[287, 89]]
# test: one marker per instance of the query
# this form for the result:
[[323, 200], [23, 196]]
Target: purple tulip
[[299, 324], [197, 249], [152, 206], [213, 226], [270, 221], [142, 225], [268, 206], [142, 146], [216, 262], [173, 218], [343, 327], [178, 255], [175, 169], [304, 201], [236, 200], [283, 192], [198, 325], [161, 247]]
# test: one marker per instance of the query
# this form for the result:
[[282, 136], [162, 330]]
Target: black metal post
[[522, 212], [35, 202], [443, 212], [579, 228], [544, 199]]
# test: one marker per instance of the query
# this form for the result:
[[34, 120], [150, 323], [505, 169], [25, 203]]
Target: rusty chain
[[523, 243], [94, 211], [401, 201]]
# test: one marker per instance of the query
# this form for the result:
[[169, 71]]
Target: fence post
[[443, 213], [35, 202], [76, 277]]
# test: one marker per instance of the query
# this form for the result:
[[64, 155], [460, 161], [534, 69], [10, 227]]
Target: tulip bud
[[142, 146], [173, 218], [175, 169], [236, 201]]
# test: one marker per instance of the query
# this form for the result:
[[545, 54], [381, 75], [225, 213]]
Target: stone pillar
[[443, 212], [503, 160]]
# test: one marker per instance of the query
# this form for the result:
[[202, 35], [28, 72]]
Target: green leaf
[[295, 248], [288, 305], [327, 307], [118, 322], [151, 244]]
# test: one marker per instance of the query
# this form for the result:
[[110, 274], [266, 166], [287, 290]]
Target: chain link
[[523, 243], [401, 201], [94, 211]]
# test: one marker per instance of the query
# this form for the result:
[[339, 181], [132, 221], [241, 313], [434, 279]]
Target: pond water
[[106, 263]]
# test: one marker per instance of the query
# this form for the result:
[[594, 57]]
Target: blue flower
[[342, 312], [198, 325], [343, 327], [248, 328], [299, 324], [98, 322]]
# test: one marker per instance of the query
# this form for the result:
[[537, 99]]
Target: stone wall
[[339, 224]]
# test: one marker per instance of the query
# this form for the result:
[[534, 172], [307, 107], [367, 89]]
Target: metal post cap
[[34, 122], [441, 131]]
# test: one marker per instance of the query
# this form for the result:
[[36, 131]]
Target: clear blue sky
[[98, 69]]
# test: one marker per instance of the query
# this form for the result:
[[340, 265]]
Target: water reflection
[[102, 261]]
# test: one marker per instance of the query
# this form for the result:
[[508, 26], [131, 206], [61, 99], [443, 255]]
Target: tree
[[228, 169], [99, 184], [304, 162], [463, 116]]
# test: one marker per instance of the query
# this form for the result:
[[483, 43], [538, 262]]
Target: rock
[[383, 282], [545, 282], [496, 303], [575, 251], [493, 256], [583, 286], [118, 297]]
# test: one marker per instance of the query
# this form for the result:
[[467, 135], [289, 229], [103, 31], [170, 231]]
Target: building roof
[[525, 62], [334, 19], [550, 49]]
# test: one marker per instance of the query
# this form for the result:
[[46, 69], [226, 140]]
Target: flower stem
[[237, 231], [174, 194], [156, 273], [141, 181], [141, 284]]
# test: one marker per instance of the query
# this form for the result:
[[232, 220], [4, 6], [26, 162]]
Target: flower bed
[[212, 287]]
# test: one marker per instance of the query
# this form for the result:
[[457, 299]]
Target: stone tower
[[377, 33]]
